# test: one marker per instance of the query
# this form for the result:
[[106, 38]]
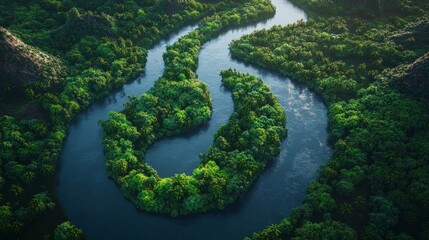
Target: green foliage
[[40, 203], [12, 222], [378, 164], [363, 7], [380, 137], [67, 231], [83, 24], [240, 151], [178, 102], [375, 185], [334, 56], [383, 217], [101, 45], [7, 221], [325, 230]]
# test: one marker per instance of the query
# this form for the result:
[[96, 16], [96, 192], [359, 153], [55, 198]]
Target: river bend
[[94, 203]]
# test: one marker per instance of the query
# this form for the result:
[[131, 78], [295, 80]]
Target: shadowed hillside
[[24, 69]]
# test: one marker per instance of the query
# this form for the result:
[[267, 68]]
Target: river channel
[[95, 203]]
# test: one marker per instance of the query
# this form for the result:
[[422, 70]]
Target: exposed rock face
[[417, 75], [25, 68], [414, 78]]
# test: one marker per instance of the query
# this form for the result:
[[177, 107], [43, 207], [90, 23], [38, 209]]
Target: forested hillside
[[372, 71], [368, 60], [94, 47]]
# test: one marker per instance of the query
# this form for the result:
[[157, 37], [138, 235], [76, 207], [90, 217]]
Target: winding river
[[94, 203]]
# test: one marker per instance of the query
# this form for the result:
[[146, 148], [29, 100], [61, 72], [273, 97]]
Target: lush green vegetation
[[178, 102], [336, 56], [376, 184], [239, 153], [98, 46], [374, 187], [67, 231], [363, 8]]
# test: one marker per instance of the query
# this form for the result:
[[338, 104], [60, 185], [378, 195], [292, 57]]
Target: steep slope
[[413, 78], [25, 69]]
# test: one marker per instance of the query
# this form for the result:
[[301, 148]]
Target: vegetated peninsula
[[71, 53], [179, 102], [240, 151], [369, 62]]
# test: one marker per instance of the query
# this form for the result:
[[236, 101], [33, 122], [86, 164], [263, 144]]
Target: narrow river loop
[[94, 203]]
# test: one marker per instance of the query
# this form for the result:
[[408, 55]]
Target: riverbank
[[103, 46], [367, 71], [304, 150]]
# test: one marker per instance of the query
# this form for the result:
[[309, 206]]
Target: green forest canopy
[[101, 45], [366, 68], [373, 75], [179, 102]]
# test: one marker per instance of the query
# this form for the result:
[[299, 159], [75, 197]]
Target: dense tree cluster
[[67, 231], [29, 151], [335, 56], [239, 153], [365, 8], [177, 102], [101, 44], [376, 184]]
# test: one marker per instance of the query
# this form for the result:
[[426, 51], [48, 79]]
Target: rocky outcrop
[[414, 78], [25, 68]]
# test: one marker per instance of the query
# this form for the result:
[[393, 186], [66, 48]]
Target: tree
[[40, 203], [325, 230], [67, 231]]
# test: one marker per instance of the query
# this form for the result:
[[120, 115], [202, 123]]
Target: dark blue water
[[94, 203]]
